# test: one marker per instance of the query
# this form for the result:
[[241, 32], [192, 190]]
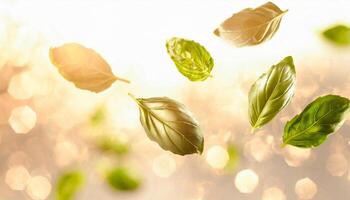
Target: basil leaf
[[251, 26], [121, 178], [83, 66], [191, 59], [323, 116], [339, 35], [68, 184], [271, 93], [171, 125]]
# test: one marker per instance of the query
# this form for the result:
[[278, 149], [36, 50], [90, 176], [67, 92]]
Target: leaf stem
[[122, 79]]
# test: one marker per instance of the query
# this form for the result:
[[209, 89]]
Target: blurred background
[[57, 140]]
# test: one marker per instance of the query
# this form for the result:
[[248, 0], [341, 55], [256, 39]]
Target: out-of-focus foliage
[[68, 184], [98, 117], [112, 145], [171, 125], [338, 35], [122, 179], [321, 117], [233, 161], [191, 59], [251, 26], [83, 66], [271, 92]]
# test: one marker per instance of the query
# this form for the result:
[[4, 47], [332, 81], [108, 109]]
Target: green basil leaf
[[191, 59], [113, 145], [251, 26], [68, 184], [171, 125], [339, 35], [121, 178], [271, 92], [323, 116]]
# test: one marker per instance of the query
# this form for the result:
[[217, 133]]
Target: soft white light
[[38, 188], [217, 157], [246, 181], [273, 193], [163, 166], [16, 177], [305, 188], [22, 119]]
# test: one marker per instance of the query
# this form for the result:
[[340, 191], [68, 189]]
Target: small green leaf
[[68, 184], [339, 35], [271, 93], [122, 179], [311, 127], [112, 145], [233, 158], [98, 117], [171, 125], [191, 59]]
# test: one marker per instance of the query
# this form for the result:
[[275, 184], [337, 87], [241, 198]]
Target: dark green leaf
[[68, 184], [251, 26], [191, 59], [171, 125], [339, 35], [271, 93], [122, 179], [311, 127]]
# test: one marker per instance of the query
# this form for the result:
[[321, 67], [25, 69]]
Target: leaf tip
[[216, 32]]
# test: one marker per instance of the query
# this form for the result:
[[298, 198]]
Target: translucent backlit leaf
[[83, 66], [251, 26], [68, 184], [122, 179]]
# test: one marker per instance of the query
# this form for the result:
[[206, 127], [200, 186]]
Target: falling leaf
[[171, 125], [233, 154], [321, 117], [112, 145], [339, 35], [251, 26], [68, 184], [271, 93], [122, 179], [98, 117], [191, 59], [83, 66]]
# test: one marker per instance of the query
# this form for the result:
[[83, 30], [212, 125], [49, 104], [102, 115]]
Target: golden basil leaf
[[171, 125], [271, 92], [251, 26], [83, 66]]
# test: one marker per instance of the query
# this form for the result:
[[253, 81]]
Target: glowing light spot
[[65, 153], [295, 156], [164, 166], [217, 157], [273, 193], [337, 165], [305, 188], [22, 119], [246, 181], [16, 177], [38, 188], [18, 87], [259, 149]]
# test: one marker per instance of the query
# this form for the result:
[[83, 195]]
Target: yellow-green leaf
[[83, 66], [251, 26], [191, 59], [68, 184], [271, 92], [339, 35], [122, 179]]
